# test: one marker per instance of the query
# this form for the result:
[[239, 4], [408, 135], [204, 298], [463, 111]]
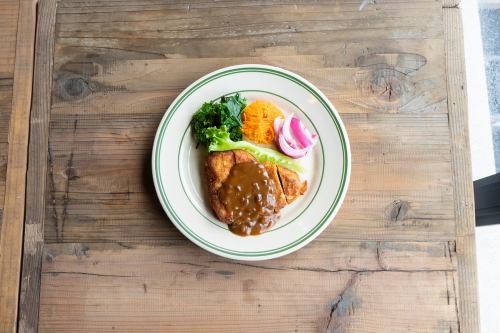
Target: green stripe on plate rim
[[219, 224], [173, 215]]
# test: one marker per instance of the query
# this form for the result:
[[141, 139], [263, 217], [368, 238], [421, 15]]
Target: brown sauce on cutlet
[[249, 194]]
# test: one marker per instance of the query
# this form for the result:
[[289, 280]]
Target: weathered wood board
[[8, 35], [108, 100], [12, 216], [99, 253], [175, 286], [8, 29]]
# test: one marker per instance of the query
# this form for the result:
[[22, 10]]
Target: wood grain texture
[[462, 172], [8, 33], [13, 215], [4, 148], [395, 259], [95, 198], [108, 100], [9, 11], [175, 286], [37, 168]]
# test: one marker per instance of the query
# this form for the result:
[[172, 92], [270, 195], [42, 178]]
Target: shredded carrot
[[258, 118]]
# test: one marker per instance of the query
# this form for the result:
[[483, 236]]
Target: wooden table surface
[[84, 244]]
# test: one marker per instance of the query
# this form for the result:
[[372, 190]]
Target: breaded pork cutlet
[[292, 186], [288, 185]]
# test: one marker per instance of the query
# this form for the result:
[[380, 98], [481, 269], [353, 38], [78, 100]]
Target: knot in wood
[[72, 87], [387, 76], [397, 210], [388, 85], [71, 173]]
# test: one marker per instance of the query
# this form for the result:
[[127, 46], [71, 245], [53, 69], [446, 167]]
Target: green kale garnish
[[226, 113]]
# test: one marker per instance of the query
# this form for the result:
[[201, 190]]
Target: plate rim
[[300, 241]]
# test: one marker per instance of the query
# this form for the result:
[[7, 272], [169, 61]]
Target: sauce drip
[[249, 194]]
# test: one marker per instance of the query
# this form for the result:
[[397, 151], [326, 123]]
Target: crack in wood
[[398, 210], [332, 311], [324, 270], [125, 246], [128, 189], [456, 303], [185, 263], [70, 174], [148, 52], [226, 274], [55, 273], [69, 165], [449, 251], [335, 316], [247, 265], [447, 288], [380, 261], [52, 191]]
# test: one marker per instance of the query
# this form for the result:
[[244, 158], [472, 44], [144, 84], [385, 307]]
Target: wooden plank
[[118, 85], [100, 188], [4, 147], [8, 32], [462, 174], [176, 286], [13, 216], [9, 12], [182, 6], [107, 102], [124, 267], [356, 72], [37, 168]]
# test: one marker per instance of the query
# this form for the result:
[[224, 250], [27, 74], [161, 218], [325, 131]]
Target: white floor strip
[[488, 261], [483, 165], [482, 153]]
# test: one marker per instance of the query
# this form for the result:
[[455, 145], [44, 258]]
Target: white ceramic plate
[[178, 165]]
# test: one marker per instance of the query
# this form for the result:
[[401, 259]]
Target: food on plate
[[258, 118], [219, 140], [218, 167], [272, 171], [293, 186], [241, 192], [227, 113], [249, 184], [292, 137], [248, 195]]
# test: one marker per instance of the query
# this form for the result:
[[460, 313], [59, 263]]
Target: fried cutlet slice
[[293, 187], [272, 171], [241, 156], [217, 168]]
